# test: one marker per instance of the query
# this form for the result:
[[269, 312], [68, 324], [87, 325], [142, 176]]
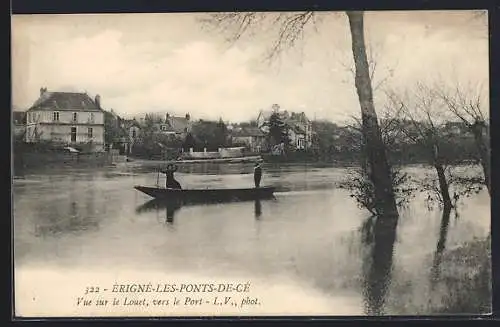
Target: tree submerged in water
[[462, 186], [362, 190]]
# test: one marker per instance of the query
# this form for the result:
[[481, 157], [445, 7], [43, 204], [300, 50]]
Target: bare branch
[[463, 102], [290, 27]]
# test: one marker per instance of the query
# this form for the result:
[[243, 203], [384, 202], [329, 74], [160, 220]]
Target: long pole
[[158, 178]]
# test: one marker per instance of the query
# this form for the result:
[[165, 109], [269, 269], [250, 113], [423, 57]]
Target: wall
[[201, 155], [66, 116], [62, 133], [42, 122], [243, 139], [231, 152], [19, 130]]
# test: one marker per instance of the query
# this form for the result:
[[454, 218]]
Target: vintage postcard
[[251, 164]]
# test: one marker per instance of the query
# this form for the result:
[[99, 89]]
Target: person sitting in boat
[[257, 174], [171, 182]]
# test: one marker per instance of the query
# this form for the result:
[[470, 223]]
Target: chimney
[[188, 116], [98, 101], [43, 90], [167, 117]]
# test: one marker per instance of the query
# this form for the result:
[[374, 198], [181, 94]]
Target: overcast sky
[[167, 63]]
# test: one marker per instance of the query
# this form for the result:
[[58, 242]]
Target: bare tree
[[290, 29], [466, 104], [423, 112]]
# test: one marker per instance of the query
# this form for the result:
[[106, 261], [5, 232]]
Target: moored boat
[[208, 195]]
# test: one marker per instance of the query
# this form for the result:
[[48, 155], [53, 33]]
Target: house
[[299, 127], [300, 130], [249, 136], [131, 131], [179, 126], [19, 123], [453, 128], [68, 118]]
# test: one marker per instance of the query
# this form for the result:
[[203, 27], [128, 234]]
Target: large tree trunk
[[480, 136], [380, 173], [444, 187]]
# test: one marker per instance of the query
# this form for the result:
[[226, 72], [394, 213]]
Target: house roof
[[177, 124], [62, 101], [19, 117]]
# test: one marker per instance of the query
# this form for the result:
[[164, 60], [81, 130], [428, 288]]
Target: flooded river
[[306, 248]]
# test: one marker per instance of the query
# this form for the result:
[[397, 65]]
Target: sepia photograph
[[312, 163]]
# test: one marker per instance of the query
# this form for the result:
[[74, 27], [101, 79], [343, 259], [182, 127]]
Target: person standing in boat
[[170, 181], [257, 174]]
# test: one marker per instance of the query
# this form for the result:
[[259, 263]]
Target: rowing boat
[[208, 195]]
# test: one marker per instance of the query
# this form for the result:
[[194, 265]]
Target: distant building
[[252, 137], [452, 128], [132, 130], [179, 126], [66, 117], [299, 126]]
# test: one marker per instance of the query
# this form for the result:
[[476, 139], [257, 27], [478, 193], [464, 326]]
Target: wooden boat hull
[[208, 195]]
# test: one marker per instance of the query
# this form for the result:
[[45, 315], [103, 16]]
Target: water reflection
[[380, 235], [67, 214], [441, 244], [172, 207], [257, 209]]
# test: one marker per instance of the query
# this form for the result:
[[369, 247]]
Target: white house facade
[[66, 118]]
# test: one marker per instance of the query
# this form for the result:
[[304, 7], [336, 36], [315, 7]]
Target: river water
[[305, 250]]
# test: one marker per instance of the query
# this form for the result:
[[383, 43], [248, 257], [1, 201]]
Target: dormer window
[[55, 116], [75, 116]]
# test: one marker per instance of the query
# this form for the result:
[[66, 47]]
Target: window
[[300, 143], [91, 117], [163, 127], [134, 133], [89, 132], [55, 116], [73, 134], [75, 116]]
